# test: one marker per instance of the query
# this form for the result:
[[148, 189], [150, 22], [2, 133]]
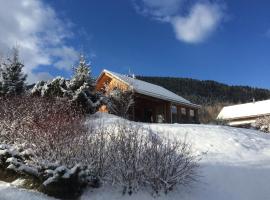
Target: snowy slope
[[9, 192], [235, 165]]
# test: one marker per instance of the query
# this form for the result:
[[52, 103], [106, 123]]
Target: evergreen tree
[[79, 90], [12, 77], [82, 76], [83, 86]]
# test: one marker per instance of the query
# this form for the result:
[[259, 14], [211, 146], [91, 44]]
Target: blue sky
[[226, 41]]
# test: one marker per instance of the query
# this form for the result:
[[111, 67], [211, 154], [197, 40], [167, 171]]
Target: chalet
[[153, 103], [244, 115]]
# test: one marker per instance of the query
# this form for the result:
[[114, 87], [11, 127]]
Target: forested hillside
[[209, 92], [211, 95]]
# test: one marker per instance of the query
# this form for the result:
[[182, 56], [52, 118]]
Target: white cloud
[[33, 78], [40, 34], [66, 55], [201, 20]]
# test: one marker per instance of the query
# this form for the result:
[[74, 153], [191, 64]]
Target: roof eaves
[[167, 99], [114, 75]]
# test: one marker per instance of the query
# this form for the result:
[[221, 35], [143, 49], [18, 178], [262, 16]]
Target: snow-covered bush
[[134, 158], [50, 127], [79, 90], [54, 179], [89, 100], [176, 164], [139, 158], [263, 124], [124, 154], [58, 87], [13, 165], [15, 158], [54, 132], [67, 183]]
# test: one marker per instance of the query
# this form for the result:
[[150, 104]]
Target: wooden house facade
[[153, 103]]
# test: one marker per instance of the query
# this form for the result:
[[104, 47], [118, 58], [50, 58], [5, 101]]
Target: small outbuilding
[[244, 115], [153, 103]]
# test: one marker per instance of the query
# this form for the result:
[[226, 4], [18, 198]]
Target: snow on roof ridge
[[147, 88], [139, 80]]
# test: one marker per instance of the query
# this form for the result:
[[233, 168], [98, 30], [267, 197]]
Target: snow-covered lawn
[[10, 192], [235, 165]]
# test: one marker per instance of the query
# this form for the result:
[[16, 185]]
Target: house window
[[192, 113], [183, 111], [174, 114], [174, 109]]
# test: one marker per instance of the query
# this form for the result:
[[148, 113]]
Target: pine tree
[[12, 77], [82, 76], [79, 90], [83, 86]]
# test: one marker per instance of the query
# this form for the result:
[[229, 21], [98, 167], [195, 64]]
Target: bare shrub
[[125, 149], [50, 127], [168, 163], [137, 159], [263, 124], [124, 154], [120, 100]]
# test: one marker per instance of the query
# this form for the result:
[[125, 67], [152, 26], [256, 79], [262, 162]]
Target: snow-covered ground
[[11, 192], [235, 165]]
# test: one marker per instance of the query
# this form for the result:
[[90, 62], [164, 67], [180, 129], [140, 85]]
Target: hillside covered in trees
[[209, 92], [211, 95]]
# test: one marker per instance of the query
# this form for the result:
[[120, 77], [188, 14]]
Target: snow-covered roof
[[253, 109], [150, 89]]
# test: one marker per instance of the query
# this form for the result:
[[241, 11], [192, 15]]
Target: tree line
[[208, 92]]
